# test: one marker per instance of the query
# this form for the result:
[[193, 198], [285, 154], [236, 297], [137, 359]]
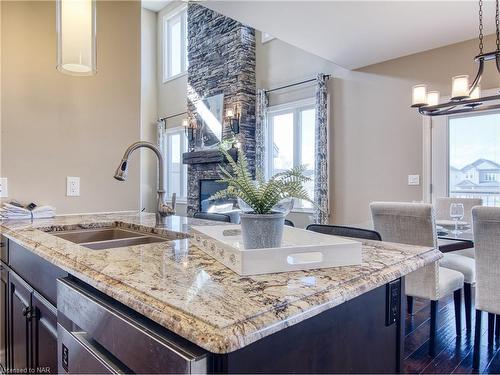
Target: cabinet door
[[19, 310], [44, 335], [4, 297]]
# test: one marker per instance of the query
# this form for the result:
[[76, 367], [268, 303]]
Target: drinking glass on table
[[456, 213]]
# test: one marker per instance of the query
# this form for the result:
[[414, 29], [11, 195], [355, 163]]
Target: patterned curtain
[[261, 132], [321, 151]]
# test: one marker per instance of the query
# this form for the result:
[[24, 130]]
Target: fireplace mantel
[[207, 156]]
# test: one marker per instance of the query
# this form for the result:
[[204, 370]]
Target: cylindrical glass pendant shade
[[76, 37], [419, 96], [459, 87]]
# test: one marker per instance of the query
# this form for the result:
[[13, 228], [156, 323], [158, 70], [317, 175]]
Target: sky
[[473, 138]]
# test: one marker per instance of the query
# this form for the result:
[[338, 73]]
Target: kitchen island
[[328, 320]]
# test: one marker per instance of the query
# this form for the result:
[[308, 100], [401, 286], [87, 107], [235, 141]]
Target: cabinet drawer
[[4, 249], [39, 273], [137, 344]]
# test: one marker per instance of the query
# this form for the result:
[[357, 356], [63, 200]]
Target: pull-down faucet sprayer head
[[122, 170]]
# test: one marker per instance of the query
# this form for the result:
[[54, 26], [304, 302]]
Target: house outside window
[[291, 139], [474, 157], [175, 145], [175, 62]]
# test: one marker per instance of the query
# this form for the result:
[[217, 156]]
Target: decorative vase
[[261, 231]]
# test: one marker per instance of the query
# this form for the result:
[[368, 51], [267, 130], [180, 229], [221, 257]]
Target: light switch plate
[[73, 186], [4, 188], [413, 179]]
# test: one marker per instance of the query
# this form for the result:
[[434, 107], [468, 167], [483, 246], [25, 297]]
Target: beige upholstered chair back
[[408, 223], [443, 207], [413, 224], [486, 223]]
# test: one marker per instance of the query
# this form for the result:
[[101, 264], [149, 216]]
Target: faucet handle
[[174, 200]]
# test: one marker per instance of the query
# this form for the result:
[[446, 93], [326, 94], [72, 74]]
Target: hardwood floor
[[453, 354]]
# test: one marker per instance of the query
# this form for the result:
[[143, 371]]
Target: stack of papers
[[10, 211]]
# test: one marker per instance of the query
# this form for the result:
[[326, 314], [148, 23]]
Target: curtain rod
[[295, 84], [171, 116]]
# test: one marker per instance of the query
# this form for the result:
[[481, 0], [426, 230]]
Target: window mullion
[[169, 48], [169, 162], [270, 143], [296, 138], [185, 50], [183, 171], [183, 42]]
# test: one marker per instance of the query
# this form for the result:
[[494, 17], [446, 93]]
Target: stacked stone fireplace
[[221, 55]]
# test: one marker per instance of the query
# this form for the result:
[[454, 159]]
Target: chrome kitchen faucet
[[163, 210]]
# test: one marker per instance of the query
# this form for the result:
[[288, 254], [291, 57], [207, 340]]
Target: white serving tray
[[300, 250]]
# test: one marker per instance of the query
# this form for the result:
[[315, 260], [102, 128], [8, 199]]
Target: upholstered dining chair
[[212, 216], [414, 224], [340, 230], [486, 228]]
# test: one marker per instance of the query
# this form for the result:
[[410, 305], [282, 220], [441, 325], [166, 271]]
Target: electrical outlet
[[413, 179], [73, 186], [4, 191]]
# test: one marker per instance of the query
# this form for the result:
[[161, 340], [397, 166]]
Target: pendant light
[[76, 37], [465, 97]]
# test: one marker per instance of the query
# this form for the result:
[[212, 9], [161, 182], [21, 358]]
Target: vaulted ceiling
[[354, 34]]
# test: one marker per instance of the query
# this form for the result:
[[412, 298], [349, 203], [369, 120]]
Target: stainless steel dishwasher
[[97, 335]]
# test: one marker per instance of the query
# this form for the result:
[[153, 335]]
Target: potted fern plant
[[261, 222]]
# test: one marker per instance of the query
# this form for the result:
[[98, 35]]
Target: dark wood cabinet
[[28, 317], [19, 323], [32, 326], [44, 335], [4, 297]]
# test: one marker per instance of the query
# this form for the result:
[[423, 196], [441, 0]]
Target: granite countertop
[[187, 291]]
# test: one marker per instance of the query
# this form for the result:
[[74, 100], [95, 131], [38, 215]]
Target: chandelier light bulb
[[419, 96], [433, 98], [185, 123], [460, 87]]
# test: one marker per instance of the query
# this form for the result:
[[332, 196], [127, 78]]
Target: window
[[291, 137], [474, 157], [175, 60], [175, 145]]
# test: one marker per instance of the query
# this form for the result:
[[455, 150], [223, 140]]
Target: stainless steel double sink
[[108, 238]]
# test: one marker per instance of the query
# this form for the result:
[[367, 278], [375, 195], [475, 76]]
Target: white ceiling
[[155, 5], [354, 34]]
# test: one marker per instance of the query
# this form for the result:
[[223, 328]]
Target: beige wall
[[169, 101], [394, 131], [149, 108], [54, 125], [375, 137]]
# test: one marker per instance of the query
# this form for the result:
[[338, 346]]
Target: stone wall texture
[[221, 55]]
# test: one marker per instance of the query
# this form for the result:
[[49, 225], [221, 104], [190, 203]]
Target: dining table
[[449, 241]]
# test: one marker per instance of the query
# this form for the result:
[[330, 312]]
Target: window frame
[[266, 37], [169, 133], [295, 107], [436, 146], [178, 12]]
